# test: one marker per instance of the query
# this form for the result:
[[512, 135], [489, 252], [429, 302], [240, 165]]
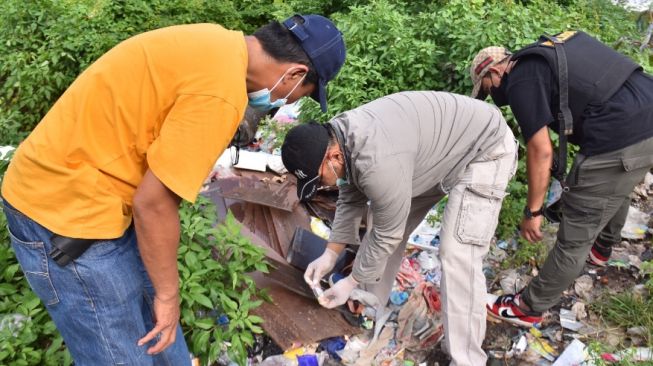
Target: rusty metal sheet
[[285, 224], [252, 188], [292, 319], [289, 277]]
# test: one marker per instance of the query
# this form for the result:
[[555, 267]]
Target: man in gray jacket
[[403, 153]]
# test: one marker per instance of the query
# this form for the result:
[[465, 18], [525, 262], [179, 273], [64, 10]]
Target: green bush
[[385, 54], [405, 45], [47, 43], [213, 267], [393, 45], [34, 341]]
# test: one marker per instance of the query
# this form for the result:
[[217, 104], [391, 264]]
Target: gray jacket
[[400, 147]]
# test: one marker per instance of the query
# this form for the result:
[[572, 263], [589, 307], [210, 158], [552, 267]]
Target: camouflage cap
[[481, 64]]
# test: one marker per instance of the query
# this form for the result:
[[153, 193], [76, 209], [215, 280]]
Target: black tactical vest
[[595, 71]]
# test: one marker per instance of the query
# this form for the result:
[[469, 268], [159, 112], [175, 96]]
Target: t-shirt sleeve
[[195, 132], [529, 94]]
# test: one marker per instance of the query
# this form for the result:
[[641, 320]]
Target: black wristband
[[530, 214]]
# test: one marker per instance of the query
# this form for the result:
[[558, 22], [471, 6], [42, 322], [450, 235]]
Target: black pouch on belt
[[65, 249]]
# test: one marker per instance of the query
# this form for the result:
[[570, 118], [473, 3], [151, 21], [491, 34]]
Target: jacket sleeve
[[349, 212], [388, 185]]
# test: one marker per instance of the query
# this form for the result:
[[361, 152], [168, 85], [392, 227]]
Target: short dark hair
[[281, 44]]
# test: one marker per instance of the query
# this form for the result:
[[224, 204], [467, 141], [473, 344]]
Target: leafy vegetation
[[393, 45], [216, 292]]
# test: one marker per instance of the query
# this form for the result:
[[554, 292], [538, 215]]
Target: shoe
[[507, 308], [599, 255]]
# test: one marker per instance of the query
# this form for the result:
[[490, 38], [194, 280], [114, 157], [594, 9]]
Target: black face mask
[[499, 95]]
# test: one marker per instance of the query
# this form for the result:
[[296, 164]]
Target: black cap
[[302, 154]]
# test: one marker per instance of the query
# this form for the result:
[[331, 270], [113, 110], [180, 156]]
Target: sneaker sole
[[595, 261], [514, 321]]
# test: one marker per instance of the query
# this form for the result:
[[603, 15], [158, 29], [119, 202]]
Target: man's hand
[[539, 157], [156, 219], [320, 267], [339, 293], [166, 318], [531, 228]]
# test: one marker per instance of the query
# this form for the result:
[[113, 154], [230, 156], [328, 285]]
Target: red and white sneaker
[[599, 255], [507, 308]]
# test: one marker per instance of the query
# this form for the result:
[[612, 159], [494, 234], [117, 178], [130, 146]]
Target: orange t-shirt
[[169, 100]]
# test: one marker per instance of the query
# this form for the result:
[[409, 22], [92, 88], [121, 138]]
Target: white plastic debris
[[583, 287], [428, 260], [518, 347], [13, 322], [555, 191], [276, 164], [568, 320], [636, 354], [257, 161], [648, 180], [512, 282], [424, 237], [635, 226], [579, 310], [5, 150], [319, 228], [573, 355]]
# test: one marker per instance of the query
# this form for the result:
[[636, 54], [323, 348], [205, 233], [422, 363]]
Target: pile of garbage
[[409, 329], [568, 330], [404, 334]]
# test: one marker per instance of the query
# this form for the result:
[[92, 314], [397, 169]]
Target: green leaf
[[229, 303], [203, 300], [255, 319], [204, 323]]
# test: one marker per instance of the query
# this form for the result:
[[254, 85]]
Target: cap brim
[[307, 187], [478, 92], [319, 94]]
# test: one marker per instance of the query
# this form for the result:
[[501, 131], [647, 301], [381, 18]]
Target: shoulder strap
[[565, 119]]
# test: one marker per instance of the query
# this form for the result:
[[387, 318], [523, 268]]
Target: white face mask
[[261, 100], [339, 181]]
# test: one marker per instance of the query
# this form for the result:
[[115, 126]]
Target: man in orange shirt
[[135, 133]]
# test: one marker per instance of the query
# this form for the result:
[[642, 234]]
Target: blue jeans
[[100, 302]]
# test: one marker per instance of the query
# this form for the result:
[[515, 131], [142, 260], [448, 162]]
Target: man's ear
[[334, 152], [297, 72]]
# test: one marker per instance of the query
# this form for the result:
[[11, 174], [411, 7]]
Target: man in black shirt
[[612, 108]]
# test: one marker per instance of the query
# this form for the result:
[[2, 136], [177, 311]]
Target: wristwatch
[[530, 214]]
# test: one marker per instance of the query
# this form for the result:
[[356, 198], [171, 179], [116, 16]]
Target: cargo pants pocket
[[34, 263], [478, 214]]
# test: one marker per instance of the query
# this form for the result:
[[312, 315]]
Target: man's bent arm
[[538, 162], [156, 219], [539, 156]]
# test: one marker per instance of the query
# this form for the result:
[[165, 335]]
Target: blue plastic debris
[[332, 346], [335, 277], [435, 241], [398, 297], [307, 360], [222, 320]]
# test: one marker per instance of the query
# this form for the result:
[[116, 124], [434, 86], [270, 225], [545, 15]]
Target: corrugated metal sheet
[[292, 319], [269, 220]]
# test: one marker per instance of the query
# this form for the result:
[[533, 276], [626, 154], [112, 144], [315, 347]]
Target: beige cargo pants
[[468, 225]]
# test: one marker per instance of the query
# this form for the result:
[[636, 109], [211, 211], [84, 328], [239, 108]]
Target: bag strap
[[565, 119]]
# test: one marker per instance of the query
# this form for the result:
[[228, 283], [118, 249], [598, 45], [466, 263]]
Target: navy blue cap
[[302, 154], [325, 47]]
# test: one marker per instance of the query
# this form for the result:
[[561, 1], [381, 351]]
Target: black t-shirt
[[624, 119]]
